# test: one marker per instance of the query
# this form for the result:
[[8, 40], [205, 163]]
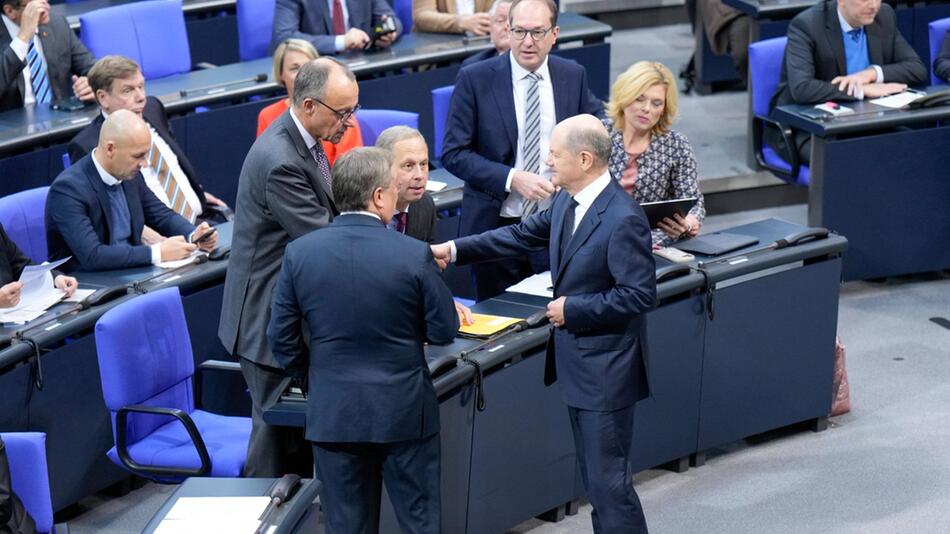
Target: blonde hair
[[291, 45], [635, 81]]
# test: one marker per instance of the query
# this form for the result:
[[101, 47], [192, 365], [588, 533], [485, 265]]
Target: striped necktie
[[166, 178], [531, 149], [38, 79]]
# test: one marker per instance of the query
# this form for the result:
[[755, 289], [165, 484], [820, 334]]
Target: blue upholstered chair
[[146, 367], [26, 453], [441, 96], [152, 33], [255, 21], [937, 31], [403, 10], [22, 217], [765, 71], [374, 121]]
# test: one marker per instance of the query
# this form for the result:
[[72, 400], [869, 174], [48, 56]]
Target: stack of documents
[[36, 295], [538, 285], [201, 515]]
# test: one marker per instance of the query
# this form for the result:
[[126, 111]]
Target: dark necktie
[[401, 219], [855, 35], [120, 232], [567, 230], [339, 26], [324, 164]]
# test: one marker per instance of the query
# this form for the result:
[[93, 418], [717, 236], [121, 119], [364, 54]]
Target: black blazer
[[65, 55], [481, 56], [815, 55], [942, 63], [154, 114], [77, 220], [12, 260], [421, 221]]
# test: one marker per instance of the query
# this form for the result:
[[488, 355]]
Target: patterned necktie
[[855, 35], [532, 136], [324, 164], [38, 79], [401, 218], [166, 178], [339, 26]]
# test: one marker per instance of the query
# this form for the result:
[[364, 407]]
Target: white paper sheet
[[36, 295], [539, 285], [171, 264], [435, 186], [79, 295], [897, 101], [213, 514]]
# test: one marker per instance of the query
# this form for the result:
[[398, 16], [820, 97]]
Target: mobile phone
[[69, 104], [205, 236]]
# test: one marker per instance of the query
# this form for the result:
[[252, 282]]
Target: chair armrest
[[205, 65], [121, 419], [792, 151]]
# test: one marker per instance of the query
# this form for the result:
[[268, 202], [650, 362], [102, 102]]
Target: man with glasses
[[284, 192], [42, 61], [498, 131]]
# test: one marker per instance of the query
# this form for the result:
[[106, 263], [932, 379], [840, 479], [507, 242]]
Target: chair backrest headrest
[[441, 96], [22, 216], [765, 71], [29, 476], [938, 32], [374, 121], [255, 22]]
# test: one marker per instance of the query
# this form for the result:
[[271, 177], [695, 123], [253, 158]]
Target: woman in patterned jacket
[[651, 161]]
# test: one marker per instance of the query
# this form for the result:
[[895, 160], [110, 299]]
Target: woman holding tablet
[[652, 162]]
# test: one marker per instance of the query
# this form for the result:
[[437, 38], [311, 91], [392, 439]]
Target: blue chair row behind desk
[[29, 479]]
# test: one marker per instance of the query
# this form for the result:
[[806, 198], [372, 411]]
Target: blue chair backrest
[[403, 10], [938, 32], [151, 33], [374, 121], [26, 452], [765, 71], [255, 22], [22, 216], [441, 96], [145, 357]]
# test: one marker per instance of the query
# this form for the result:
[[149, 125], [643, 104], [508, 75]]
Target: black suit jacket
[[78, 220], [65, 55], [420, 223], [12, 260], [154, 114], [942, 63], [815, 55], [281, 196]]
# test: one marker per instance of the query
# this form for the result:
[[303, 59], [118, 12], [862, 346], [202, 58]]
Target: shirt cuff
[[511, 173], [339, 43], [454, 251], [879, 72], [156, 253], [19, 48]]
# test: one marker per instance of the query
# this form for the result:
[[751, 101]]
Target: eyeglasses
[[342, 116], [536, 35]]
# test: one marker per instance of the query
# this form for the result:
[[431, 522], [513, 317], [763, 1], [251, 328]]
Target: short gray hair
[[357, 173], [394, 134], [311, 80], [494, 6], [593, 140]]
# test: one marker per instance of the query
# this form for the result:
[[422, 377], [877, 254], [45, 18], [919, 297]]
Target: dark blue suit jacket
[[371, 300], [78, 220], [312, 20], [481, 133], [608, 277]]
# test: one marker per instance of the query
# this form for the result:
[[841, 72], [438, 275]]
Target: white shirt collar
[[845, 27], [107, 178], [369, 213], [518, 72], [13, 28], [586, 197], [307, 138]]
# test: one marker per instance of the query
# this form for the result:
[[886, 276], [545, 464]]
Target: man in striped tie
[[42, 60]]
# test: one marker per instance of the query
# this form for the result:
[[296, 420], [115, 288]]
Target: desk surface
[[73, 10], [770, 9]]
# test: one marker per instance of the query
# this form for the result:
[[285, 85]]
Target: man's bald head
[[580, 151], [124, 143]]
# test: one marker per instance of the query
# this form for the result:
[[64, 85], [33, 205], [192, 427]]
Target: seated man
[[942, 62], [57, 58], [498, 19], [96, 208], [842, 50], [333, 26], [117, 83], [12, 262]]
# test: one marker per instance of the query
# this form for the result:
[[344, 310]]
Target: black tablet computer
[[657, 211]]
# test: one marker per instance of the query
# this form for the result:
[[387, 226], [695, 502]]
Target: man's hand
[[877, 90], [34, 14], [208, 244], [556, 311], [531, 186], [465, 314], [853, 84], [355, 38], [10, 295], [82, 90], [211, 199], [151, 237], [442, 254], [67, 283], [176, 248], [476, 23]]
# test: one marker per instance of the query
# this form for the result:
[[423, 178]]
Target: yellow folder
[[486, 325]]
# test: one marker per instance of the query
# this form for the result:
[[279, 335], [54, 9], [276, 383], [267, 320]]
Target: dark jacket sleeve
[[81, 59], [16, 258], [159, 217], [284, 330], [905, 66], [800, 69], [293, 202], [287, 17], [530, 235], [10, 68], [442, 321], [942, 63], [590, 104]]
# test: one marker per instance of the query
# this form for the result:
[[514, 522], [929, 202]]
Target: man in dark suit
[[43, 60], [372, 301], [12, 263], [117, 83], [842, 50], [96, 208], [333, 26], [500, 38], [942, 62], [284, 192], [604, 283], [497, 131], [415, 209]]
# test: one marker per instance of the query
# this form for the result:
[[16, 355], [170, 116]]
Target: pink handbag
[[841, 402]]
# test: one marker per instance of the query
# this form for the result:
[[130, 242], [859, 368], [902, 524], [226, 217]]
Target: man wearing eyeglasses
[[498, 130], [42, 60], [284, 192]]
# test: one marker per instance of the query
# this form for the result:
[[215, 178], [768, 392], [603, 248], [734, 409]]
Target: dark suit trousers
[[272, 451], [604, 441], [352, 475], [492, 278]]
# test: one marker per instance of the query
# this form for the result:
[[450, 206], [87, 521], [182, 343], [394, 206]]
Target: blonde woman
[[650, 160], [288, 57]]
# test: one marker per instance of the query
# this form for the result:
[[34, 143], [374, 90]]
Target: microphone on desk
[[536, 319], [222, 85], [282, 491], [139, 285]]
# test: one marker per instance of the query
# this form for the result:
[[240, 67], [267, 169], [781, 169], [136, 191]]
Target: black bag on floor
[[13, 517]]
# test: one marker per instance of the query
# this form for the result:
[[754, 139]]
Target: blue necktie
[[38, 79], [855, 35], [121, 231]]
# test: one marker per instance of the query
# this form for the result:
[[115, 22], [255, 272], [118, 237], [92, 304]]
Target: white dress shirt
[[585, 198], [465, 7], [511, 207], [362, 212], [21, 49]]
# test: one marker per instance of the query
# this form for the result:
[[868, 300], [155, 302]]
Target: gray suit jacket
[[65, 55], [281, 196]]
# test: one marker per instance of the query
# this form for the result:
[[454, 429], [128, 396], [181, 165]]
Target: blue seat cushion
[[772, 158], [169, 445]]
